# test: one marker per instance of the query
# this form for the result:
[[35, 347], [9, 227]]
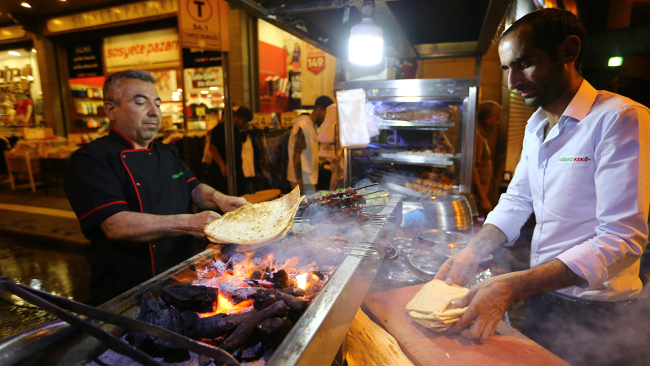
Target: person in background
[[583, 172], [327, 139], [24, 109], [219, 168], [489, 115], [303, 147], [129, 192]]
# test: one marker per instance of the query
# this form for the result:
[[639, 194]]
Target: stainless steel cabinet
[[426, 136]]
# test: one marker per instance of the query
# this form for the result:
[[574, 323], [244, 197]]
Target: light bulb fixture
[[179, 90], [34, 50], [204, 92], [214, 88], [615, 61], [14, 53], [366, 38], [25, 5]]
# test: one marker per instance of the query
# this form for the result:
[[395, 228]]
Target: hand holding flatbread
[[430, 307], [256, 224]]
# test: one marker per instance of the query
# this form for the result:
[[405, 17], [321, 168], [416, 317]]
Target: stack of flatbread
[[256, 224], [430, 306]]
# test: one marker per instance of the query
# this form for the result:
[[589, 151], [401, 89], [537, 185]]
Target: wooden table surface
[[428, 348]]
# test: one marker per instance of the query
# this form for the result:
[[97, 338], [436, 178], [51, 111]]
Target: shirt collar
[[581, 102], [577, 108], [124, 141]]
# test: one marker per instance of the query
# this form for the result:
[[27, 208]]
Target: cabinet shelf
[[386, 124], [407, 159]]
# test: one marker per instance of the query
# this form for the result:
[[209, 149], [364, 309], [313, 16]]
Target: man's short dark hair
[[549, 28], [244, 113], [323, 102], [112, 83]]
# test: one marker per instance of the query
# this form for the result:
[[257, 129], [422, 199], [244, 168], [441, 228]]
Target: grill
[[315, 338]]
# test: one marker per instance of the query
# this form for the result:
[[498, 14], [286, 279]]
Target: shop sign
[[13, 32], [316, 64], [287, 118], [85, 60], [196, 57], [204, 24], [315, 60], [15, 80], [262, 120], [207, 77], [146, 49], [144, 9]]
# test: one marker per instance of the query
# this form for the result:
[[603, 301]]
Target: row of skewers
[[340, 206]]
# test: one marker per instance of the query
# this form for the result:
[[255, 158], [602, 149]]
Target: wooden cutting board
[[427, 348]]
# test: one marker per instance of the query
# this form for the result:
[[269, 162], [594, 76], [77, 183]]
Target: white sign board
[[204, 24], [151, 49]]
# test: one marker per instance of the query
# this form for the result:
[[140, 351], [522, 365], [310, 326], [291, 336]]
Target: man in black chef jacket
[[129, 192]]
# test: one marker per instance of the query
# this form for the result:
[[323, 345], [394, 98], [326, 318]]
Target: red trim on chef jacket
[[100, 207], [153, 267]]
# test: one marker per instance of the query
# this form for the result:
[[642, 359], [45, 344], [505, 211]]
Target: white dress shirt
[[587, 184]]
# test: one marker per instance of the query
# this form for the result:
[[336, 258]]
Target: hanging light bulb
[[366, 38]]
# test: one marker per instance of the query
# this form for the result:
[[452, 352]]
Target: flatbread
[[248, 248], [429, 307], [256, 223], [435, 296]]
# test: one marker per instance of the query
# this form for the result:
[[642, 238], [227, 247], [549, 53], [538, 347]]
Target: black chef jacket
[[108, 176]]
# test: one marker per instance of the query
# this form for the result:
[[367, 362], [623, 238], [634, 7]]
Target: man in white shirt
[[583, 173], [303, 147]]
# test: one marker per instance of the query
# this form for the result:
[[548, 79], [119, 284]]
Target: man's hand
[[224, 170], [460, 267], [486, 303], [463, 265], [229, 203], [199, 220]]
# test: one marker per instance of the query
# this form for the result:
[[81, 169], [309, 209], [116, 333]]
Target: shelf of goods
[[426, 132]]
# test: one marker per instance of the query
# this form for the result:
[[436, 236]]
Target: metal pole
[[230, 132]]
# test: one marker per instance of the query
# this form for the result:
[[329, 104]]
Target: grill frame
[[314, 340]]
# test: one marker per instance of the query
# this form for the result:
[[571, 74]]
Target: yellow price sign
[[262, 120], [287, 118]]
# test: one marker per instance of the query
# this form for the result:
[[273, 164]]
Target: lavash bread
[[430, 306], [370, 345], [256, 223]]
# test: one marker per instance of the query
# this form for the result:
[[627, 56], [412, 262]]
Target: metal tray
[[427, 262], [437, 236], [416, 124]]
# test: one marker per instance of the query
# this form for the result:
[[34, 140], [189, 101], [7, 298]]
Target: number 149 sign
[[316, 64]]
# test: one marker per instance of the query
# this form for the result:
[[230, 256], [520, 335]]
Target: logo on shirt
[[177, 175], [579, 159]]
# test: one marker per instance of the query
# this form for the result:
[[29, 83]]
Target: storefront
[[21, 102]]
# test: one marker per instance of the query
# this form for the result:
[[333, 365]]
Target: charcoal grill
[[314, 340]]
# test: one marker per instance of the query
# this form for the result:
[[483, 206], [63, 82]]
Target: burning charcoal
[[247, 326], [238, 257], [215, 326], [199, 299], [261, 304], [293, 291], [240, 294], [219, 266], [252, 352], [281, 279], [274, 330], [156, 312], [189, 318]]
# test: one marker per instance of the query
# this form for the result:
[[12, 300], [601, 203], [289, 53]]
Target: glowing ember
[[225, 306], [301, 280]]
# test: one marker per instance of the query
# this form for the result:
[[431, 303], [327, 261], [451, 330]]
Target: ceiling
[[412, 28]]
